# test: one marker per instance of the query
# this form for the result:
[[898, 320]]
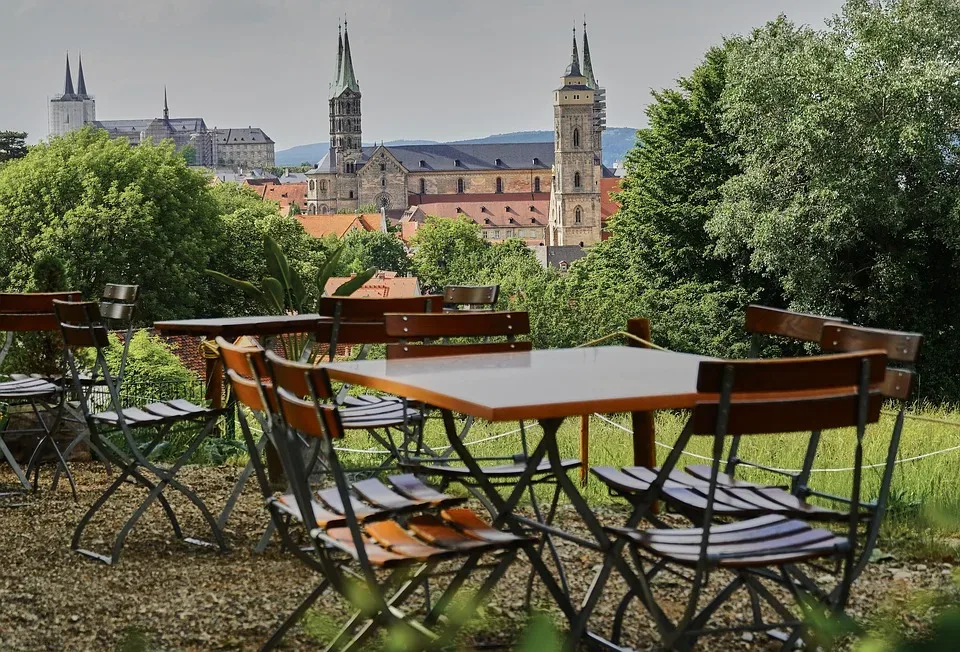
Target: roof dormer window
[[459, 210], [457, 163], [536, 160], [499, 162], [423, 163]]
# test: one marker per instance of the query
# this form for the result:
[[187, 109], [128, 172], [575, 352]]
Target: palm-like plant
[[282, 290]]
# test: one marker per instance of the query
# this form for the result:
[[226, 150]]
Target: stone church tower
[[73, 109], [575, 194], [345, 128]]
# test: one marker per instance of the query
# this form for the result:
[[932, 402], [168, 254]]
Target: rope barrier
[[836, 470]]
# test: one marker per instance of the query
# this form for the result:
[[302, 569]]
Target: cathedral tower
[[575, 194], [345, 132], [73, 109]]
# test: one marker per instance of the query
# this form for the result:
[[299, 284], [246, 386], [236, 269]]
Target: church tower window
[[576, 138], [536, 184], [423, 186], [499, 185], [578, 215], [460, 186], [576, 179]]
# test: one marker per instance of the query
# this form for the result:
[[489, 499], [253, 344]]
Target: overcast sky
[[432, 69]]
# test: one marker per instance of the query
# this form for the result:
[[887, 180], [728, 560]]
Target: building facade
[[541, 192], [75, 109]]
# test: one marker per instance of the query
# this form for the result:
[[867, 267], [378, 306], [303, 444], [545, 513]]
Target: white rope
[[839, 470]]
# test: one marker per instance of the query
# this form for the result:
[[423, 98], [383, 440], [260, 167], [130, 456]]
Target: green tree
[[848, 143], [382, 251], [111, 213], [189, 154], [12, 145], [447, 252]]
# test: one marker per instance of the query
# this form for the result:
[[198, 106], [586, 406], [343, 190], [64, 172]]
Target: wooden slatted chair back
[[118, 302], [763, 320], [24, 312], [81, 324], [372, 309], [900, 346], [250, 392], [299, 409], [296, 377], [470, 297], [790, 394], [465, 324], [247, 360]]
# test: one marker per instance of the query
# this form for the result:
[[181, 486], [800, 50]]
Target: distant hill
[[617, 141]]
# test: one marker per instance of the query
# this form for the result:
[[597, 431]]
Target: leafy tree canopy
[[112, 214]]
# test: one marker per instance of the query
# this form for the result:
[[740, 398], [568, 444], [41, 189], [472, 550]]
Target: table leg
[[214, 392]]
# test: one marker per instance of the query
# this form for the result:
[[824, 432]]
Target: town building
[[75, 108], [541, 192]]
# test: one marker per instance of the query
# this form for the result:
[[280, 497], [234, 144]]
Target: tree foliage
[[382, 251], [113, 214], [12, 145]]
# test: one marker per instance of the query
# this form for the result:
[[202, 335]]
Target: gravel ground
[[166, 595]]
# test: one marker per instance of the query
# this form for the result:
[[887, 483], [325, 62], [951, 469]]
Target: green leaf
[[277, 265], [274, 289], [297, 290], [327, 271], [246, 286], [354, 284]]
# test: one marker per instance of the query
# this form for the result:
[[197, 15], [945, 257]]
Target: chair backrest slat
[[458, 324], [121, 293], [292, 376], [83, 336], [81, 323], [898, 384], [898, 345], [763, 320], [472, 296], [401, 351], [792, 374], [243, 359], [247, 391], [352, 333], [779, 415], [373, 309], [31, 311]]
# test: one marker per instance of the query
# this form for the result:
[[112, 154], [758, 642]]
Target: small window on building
[[576, 179], [383, 167], [578, 215], [351, 194], [459, 210], [499, 162], [460, 186], [383, 182], [533, 220], [457, 163], [423, 163], [423, 186], [499, 184], [313, 185], [576, 138], [533, 209], [536, 160], [536, 184]]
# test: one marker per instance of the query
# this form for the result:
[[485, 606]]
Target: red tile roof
[[608, 206], [320, 226], [494, 211], [287, 195], [383, 285]]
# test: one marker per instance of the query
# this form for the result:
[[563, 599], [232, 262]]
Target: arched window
[[578, 215], [423, 186], [323, 187], [576, 138], [536, 184], [576, 179], [460, 186], [499, 184], [313, 185]]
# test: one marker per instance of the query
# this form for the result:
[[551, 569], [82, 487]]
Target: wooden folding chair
[[431, 335], [470, 297], [82, 326], [24, 313], [753, 398], [374, 546]]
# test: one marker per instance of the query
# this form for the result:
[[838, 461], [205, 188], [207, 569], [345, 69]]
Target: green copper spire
[[587, 64], [68, 82], [336, 78], [347, 78], [573, 70]]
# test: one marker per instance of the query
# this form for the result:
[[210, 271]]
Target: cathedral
[[75, 108], [540, 192]]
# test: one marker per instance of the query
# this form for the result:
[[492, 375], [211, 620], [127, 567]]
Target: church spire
[[68, 81], [346, 77], [573, 70], [587, 64], [81, 84], [166, 109]]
